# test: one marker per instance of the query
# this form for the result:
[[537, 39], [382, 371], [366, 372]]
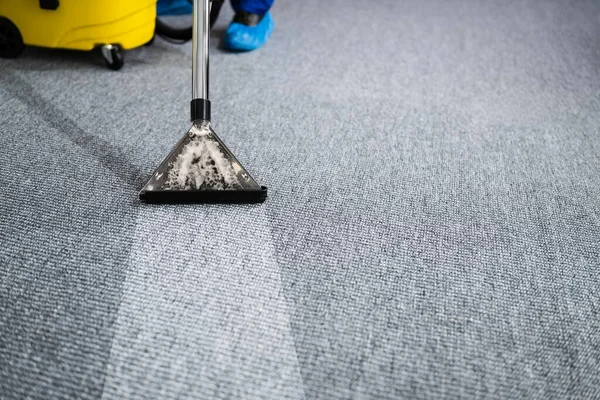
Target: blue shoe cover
[[174, 7], [240, 37]]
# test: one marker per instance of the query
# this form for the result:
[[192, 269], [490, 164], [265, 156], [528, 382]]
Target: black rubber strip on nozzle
[[200, 109], [240, 196]]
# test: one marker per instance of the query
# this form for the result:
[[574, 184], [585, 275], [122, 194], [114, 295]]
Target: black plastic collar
[[200, 109]]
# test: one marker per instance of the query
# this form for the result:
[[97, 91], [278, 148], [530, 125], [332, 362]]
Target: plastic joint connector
[[200, 109]]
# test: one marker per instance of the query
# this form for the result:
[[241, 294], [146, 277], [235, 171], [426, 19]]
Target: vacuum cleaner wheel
[[11, 41], [113, 56]]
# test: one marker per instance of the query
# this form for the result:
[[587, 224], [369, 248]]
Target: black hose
[[165, 30], [182, 35], [215, 10]]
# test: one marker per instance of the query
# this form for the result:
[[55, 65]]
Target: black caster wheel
[[11, 41], [113, 56]]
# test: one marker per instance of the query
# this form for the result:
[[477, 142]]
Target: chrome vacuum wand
[[200, 45], [201, 169]]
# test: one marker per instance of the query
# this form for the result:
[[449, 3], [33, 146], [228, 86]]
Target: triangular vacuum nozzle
[[201, 169]]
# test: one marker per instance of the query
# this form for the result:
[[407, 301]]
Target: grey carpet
[[432, 228]]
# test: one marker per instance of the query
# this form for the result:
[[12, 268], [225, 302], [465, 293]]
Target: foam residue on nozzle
[[201, 164]]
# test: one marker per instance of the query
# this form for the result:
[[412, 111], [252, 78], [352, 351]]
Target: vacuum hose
[[184, 34]]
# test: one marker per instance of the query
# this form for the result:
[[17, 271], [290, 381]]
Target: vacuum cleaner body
[[112, 25]]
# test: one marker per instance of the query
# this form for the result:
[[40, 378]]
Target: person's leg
[[251, 26]]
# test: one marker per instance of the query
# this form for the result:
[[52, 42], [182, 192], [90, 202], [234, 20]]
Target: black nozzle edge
[[200, 109]]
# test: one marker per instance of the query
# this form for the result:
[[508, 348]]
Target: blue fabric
[[240, 37], [173, 7], [259, 7]]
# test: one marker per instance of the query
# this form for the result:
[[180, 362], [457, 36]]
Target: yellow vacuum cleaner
[[111, 25]]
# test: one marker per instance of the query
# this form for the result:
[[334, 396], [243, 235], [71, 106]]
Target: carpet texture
[[432, 228]]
